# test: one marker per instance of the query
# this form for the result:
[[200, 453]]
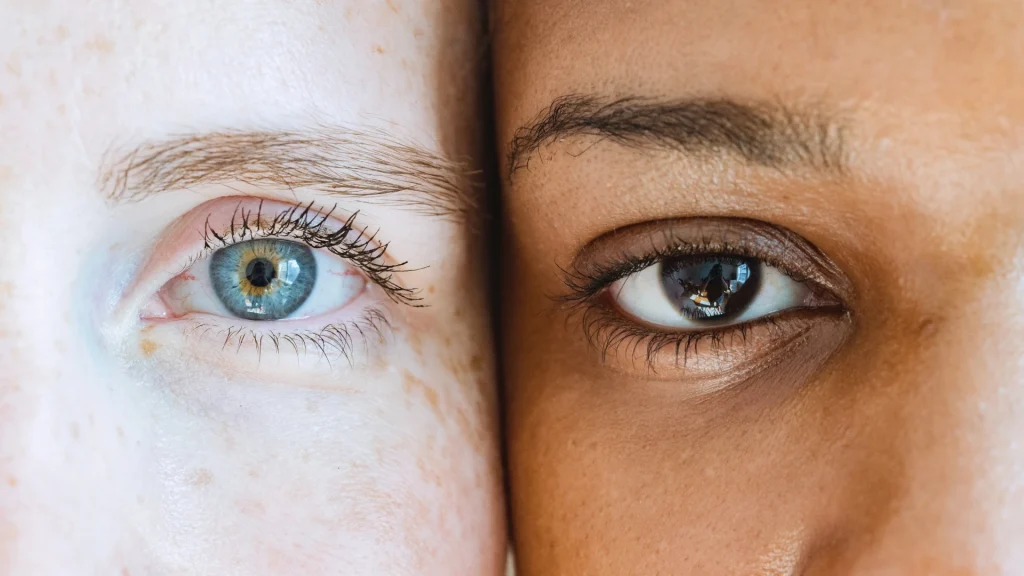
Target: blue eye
[[264, 279]]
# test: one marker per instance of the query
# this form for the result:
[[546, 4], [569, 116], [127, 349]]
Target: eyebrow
[[362, 163], [764, 134]]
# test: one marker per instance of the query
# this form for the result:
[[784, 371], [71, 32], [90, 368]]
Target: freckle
[[62, 33], [74, 430], [120, 432], [253, 473], [417, 32], [14, 67], [125, 572], [201, 477], [12, 481], [476, 363], [148, 347], [430, 289], [433, 399], [391, 4], [378, 48], [411, 383], [251, 507], [457, 313], [100, 44]]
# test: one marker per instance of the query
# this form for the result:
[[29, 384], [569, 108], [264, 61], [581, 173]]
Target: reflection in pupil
[[260, 272], [710, 288], [715, 286]]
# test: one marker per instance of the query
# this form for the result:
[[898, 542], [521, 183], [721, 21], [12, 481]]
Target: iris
[[264, 279], [710, 287]]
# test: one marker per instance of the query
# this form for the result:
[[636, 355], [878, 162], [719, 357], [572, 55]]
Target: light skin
[[874, 426], [144, 429]]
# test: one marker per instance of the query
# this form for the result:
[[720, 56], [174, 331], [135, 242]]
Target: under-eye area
[[714, 298], [251, 277]]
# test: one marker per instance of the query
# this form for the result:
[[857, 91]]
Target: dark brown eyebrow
[[764, 134], [363, 163]]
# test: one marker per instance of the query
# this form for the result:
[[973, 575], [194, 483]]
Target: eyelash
[[338, 338], [307, 225], [609, 332]]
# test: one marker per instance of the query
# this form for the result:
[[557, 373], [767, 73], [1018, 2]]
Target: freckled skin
[[184, 458], [902, 453]]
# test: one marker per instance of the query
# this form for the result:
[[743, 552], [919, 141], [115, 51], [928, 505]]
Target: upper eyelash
[[308, 225], [583, 285]]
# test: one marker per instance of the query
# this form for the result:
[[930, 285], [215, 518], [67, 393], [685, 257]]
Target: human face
[[851, 176], [199, 377]]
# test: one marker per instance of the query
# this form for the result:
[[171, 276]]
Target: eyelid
[[627, 250], [187, 240]]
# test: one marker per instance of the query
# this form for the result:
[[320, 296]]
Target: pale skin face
[[145, 428], [876, 424]]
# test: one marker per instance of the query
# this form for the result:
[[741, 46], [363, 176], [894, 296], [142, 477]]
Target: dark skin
[[871, 152]]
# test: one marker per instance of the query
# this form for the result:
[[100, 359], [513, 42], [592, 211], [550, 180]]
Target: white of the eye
[[335, 285], [641, 295]]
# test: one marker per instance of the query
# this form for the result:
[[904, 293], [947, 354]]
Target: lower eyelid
[[244, 347], [719, 355]]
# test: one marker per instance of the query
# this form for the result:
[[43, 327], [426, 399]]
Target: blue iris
[[263, 279]]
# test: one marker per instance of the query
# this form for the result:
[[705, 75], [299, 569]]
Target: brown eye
[[692, 293], [710, 288]]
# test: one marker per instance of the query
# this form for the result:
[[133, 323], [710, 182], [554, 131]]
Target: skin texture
[[133, 443], [890, 443]]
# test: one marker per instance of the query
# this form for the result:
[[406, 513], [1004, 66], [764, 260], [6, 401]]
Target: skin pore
[[869, 155], [147, 429]]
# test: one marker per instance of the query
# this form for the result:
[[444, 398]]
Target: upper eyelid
[[179, 247], [778, 247], [306, 223]]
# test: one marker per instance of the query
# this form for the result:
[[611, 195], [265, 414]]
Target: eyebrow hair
[[362, 163], [764, 134]]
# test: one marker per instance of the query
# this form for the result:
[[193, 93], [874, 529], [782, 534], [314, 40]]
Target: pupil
[[711, 287], [715, 286], [260, 272]]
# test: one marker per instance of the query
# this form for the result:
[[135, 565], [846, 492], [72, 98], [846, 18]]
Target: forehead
[[964, 56], [141, 69]]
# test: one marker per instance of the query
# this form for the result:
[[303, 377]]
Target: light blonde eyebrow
[[363, 163]]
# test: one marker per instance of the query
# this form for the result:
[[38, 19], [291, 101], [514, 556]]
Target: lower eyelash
[[334, 341], [611, 334]]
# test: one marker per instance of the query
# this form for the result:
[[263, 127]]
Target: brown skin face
[[872, 153]]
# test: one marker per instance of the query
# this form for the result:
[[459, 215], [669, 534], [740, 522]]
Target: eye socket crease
[[765, 134], [364, 163]]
